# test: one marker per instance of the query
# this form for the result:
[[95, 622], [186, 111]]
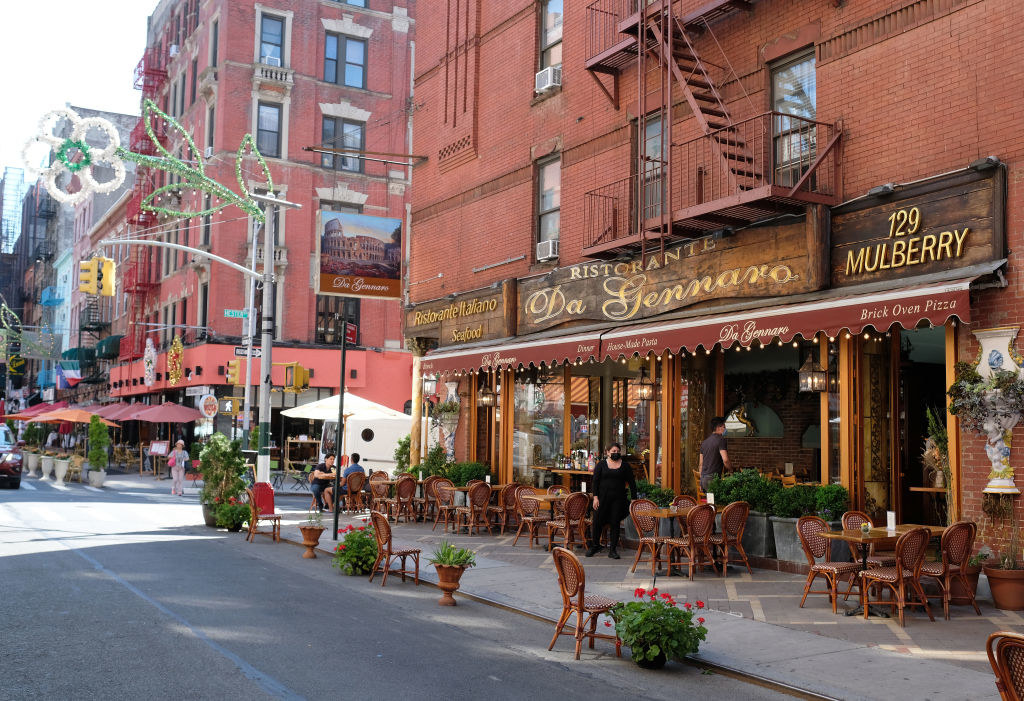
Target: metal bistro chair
[[734, 522], [647, 528], [699, 522], [904, 578], [957, 543], [387, 555], [572, 583], [817, 547], [1006, 655]]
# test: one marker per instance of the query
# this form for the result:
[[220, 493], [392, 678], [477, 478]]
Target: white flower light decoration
[[88, 155]]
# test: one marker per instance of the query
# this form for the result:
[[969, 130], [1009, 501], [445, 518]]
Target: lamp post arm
[[178, 247]]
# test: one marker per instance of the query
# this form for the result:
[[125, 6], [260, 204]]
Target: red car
[[10, 459]]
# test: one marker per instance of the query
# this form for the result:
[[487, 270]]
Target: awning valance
[[906, 306], [548, 350], [109, 347]]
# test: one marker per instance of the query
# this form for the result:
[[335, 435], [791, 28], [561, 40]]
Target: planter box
[[1007, 588], [758, 540], [787, 541]]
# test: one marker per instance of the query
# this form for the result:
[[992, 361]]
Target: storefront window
[[584, 415], [539, 421]]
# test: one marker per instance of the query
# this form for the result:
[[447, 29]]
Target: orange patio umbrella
[[75, 416]]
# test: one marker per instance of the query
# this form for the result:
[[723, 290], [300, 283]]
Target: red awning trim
[[906, 306], [551, 351]]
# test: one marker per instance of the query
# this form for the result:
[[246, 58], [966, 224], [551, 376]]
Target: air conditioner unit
[[547, 250], [271, 61], [550, 77], [173, 50], [208, 152]]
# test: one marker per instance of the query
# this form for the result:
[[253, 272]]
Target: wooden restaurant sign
[[475, 316], [762, 262], [942, 224]]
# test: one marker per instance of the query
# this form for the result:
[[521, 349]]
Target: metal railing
[[603, 17]]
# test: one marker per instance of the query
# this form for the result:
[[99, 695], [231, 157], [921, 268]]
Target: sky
[[61, 51]]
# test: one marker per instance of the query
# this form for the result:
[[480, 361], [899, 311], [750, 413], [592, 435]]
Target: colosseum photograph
[[360, 255]]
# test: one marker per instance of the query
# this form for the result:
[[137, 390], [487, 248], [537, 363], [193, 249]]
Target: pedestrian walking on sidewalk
[[179, 461], [611, 477]]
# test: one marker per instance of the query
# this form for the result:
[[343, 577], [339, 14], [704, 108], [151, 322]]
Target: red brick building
[[296, 75], [749, 199]]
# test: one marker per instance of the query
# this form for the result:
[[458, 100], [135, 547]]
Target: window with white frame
[[794, 102], [272, 40], [549, 198], [343, 134], [268, 129], [551, 34]]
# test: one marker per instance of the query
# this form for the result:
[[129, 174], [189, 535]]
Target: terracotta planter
[[957, 595], [448, 577], [209, 518], [310, 538], [1007, 588]]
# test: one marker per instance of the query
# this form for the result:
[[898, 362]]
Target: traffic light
[[106, 276], [88, 276], [296, 377], [234, 373], [229, 406]]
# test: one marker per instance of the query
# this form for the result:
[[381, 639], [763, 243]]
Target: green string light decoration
[[14, 331], [194, 176], [83, 148]]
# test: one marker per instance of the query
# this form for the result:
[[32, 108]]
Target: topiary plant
[[222, 465], [99, 441]]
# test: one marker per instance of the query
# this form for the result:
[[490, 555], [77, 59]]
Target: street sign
[[351, 333], [240, 352], [16, 365], [236, 313], [197, 391]]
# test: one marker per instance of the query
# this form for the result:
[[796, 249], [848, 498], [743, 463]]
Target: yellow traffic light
[[106, 276], [88, 271], [233, 372], [296, 377]]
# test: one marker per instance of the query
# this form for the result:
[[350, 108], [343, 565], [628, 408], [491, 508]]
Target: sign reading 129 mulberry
[[765, 262]]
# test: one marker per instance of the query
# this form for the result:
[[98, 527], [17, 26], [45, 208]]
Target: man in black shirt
[[321, 478], [713, 454]]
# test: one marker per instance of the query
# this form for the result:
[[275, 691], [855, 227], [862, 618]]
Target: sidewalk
[[754, 626]]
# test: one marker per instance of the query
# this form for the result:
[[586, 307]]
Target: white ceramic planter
[[60, 469], [45, 466], [97, 478], [31, 463]]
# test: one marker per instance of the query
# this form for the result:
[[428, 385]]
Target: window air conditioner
[[208, 152], [547, 250], [173, 50], [550, 77], [272, 61]]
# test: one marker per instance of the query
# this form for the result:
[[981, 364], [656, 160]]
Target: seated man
[[353, 466], [320, 479]]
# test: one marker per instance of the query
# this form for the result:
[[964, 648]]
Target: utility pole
[[250, 325], [266, 361]]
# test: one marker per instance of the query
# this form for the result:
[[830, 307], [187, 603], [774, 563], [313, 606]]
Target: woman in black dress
[[610, 501]]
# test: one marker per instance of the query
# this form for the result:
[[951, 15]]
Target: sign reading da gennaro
[[941, 224], [475, 316]]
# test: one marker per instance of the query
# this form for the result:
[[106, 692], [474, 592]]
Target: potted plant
[[357, 551], [222, 466], [749, 486], [60, 467], [31, 450], [661, 497], [450, 562], [311, 531], [657, 629], [99, 440], [231, 513], [957, 595], [1006, 580], [46, 463]]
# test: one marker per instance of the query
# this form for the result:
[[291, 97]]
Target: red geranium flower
[[700, 620], [653, 592], [688, 605], [666, 595], [639, 592], [700, 604], [362, 528], [607, 624], [341, 547]]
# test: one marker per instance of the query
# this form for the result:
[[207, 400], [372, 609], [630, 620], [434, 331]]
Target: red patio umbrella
[[169, 412], [35, 410], [107, 410]]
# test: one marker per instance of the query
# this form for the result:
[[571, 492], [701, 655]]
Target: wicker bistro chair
[[474, 513], [683, 500], [387, 555], [647, 528], [902, 579], [699, 522], [378, 491], [505, 509], [528, 511], [556, 506], [852, 521], [957, 543], [444, 490], [734, 522], [405, 490], [572, 583], [571, 523], [426, 504], [255, 517], [1006, 655], [354, 484], [817, 547]]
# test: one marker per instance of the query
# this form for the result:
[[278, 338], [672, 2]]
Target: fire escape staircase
[[727, 176]]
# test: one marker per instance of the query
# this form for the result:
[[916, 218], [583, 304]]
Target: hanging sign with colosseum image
[[360, 255]]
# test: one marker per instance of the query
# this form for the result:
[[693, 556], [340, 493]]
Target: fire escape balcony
[[759, 168], [91, 318]]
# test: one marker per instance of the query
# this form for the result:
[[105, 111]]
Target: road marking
[[93, 489], [29, 486]]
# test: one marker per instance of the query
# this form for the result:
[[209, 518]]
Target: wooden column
[[671, 425], [953, 425], [823, 425], [507, 423], [848, 420], [471, 421]]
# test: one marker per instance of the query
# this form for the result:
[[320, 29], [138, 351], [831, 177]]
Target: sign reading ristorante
[[945, 223], [764, 262], [475, 316]]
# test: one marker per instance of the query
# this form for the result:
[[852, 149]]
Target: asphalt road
[[126, 595]]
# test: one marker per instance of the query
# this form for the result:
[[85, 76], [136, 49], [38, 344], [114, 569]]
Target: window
[[345, 61], [330, 311], [268, 129], [339, 133], [341, 207], [357, 3], [271, 40], [794, 92], [551, 34], [652, 166], [549, 189], [207, 220], [174, 98], [181, 94], [214, 42], [210, 114], [195, 77], [204, 301]]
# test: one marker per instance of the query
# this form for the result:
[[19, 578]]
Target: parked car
[[10, 459]]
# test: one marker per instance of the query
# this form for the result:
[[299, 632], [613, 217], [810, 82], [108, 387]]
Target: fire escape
[[139, 281], [724, 165]]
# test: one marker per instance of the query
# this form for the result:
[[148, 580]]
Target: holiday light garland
[[15, 332], [190, 171], [174, 356], [149, 364]]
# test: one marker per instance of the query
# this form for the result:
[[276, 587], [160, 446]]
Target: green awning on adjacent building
[[85, 356], [110, 347]]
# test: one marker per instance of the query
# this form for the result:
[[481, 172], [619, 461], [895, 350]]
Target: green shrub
[[462, 472], [660, 496], [231, 513], [99, 439], [435, 464], [794, 502], [831, 501], [745, 485], [357, 552], [222, 465], [402, 454]]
